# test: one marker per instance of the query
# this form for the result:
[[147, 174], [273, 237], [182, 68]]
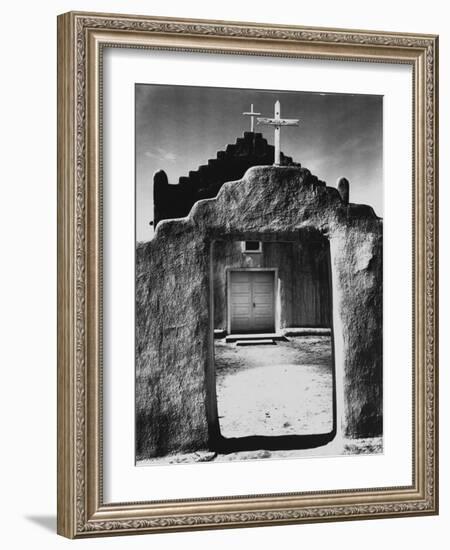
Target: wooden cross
[[278, 122], [252, 115]]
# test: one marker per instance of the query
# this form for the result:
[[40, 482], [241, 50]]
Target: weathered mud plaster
[[175, 383]]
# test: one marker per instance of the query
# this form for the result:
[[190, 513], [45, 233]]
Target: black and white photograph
[[223, 234], [258, 274]]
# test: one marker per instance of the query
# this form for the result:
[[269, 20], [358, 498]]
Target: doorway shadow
[[226, 445]]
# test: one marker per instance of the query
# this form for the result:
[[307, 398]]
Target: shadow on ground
[[46, 522]]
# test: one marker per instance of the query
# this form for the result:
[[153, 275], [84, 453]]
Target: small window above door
[[252, 247]]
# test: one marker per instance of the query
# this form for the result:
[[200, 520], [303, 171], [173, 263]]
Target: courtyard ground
[[285, 388]]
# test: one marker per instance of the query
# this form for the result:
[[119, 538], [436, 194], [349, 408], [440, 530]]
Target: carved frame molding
[[81, 37]]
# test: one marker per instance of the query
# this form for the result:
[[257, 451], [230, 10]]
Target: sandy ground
[[271, 390], [373, 445]]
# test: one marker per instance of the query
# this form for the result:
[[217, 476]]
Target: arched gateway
[[179, 302]]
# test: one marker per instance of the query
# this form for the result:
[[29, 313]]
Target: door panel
[[252, 301], [241, 301]]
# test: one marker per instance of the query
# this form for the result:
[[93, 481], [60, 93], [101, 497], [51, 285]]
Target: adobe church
[[252, 243]]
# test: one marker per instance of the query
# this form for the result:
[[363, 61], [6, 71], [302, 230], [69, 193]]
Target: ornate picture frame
[[82, 40]]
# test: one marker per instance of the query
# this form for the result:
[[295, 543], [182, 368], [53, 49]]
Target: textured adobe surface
[[175, 386]]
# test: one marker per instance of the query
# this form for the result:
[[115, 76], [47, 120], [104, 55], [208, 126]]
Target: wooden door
[[252, 307]]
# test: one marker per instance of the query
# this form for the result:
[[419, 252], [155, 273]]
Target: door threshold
[[256, 342], [260, 336]]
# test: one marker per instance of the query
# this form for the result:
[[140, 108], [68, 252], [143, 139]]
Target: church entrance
[[273, 342], [251, 299]]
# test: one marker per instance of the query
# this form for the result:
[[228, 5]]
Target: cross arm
[[289, 122], [278, 121]]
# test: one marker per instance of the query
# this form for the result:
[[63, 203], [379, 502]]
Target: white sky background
[[178, 128]]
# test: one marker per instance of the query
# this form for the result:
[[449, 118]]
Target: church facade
[[269, 286]]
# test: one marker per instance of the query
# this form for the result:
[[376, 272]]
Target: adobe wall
[[175, 386]]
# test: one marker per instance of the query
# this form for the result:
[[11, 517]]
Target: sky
[[178, 128]]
